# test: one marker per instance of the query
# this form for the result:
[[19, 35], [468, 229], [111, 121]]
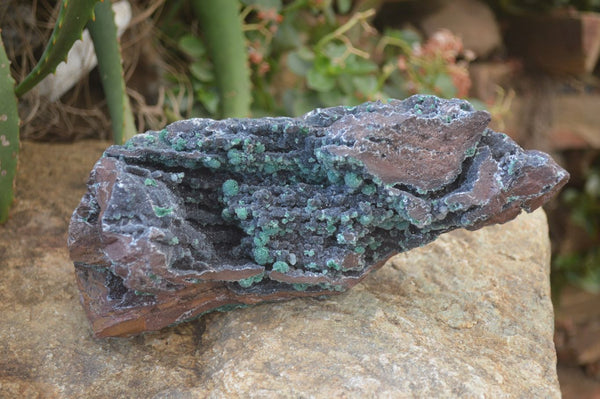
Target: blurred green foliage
[[72, 19], [582, 268], [317, 53]]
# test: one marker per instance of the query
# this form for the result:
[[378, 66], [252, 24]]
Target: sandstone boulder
[[469, 315]]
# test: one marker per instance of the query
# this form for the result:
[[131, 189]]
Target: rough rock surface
[[209, 215], [469, 315]]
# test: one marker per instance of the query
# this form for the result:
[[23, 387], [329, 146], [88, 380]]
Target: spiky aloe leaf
[[222, 26], [72, 18], [9, 135], [103, 31]]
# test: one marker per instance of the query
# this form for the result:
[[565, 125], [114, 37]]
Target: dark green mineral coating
[[274, 208]]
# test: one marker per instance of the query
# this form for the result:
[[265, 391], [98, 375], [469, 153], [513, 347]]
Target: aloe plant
[[103, 31], [73, 17], [222, 25], [98, 17], [9, 135]]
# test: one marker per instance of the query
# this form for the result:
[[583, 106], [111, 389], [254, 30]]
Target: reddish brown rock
[[209, 215]]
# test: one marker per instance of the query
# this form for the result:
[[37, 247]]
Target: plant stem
[[103, 31], [222, 26], [359, 17]]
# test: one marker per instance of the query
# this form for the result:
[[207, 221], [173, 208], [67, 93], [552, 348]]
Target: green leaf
[[409, 36], [318, 81], [356, 65], [334, 97], [328, 11], [69, 25], [323, 64], [298, 64], [9, 135], [344, 6], [394, 91], [346, 85], [209, 99], [298, 102], [202, 71], [276, 4], [306, 53], [287, 36], [103, 31], [366, 84], [334, 50], [192, 46], [444, 84]]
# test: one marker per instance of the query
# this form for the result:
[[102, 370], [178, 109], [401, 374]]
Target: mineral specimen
[[208, 215]]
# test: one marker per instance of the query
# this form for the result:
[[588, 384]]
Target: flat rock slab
[[468, 315]]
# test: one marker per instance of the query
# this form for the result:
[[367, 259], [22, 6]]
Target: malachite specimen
[[208, 215]]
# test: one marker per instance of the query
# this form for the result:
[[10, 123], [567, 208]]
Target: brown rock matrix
[[210, 215]]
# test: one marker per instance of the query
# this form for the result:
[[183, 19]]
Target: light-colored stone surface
[[576, 121], [543, 114], [466, 316], [472, 20]]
